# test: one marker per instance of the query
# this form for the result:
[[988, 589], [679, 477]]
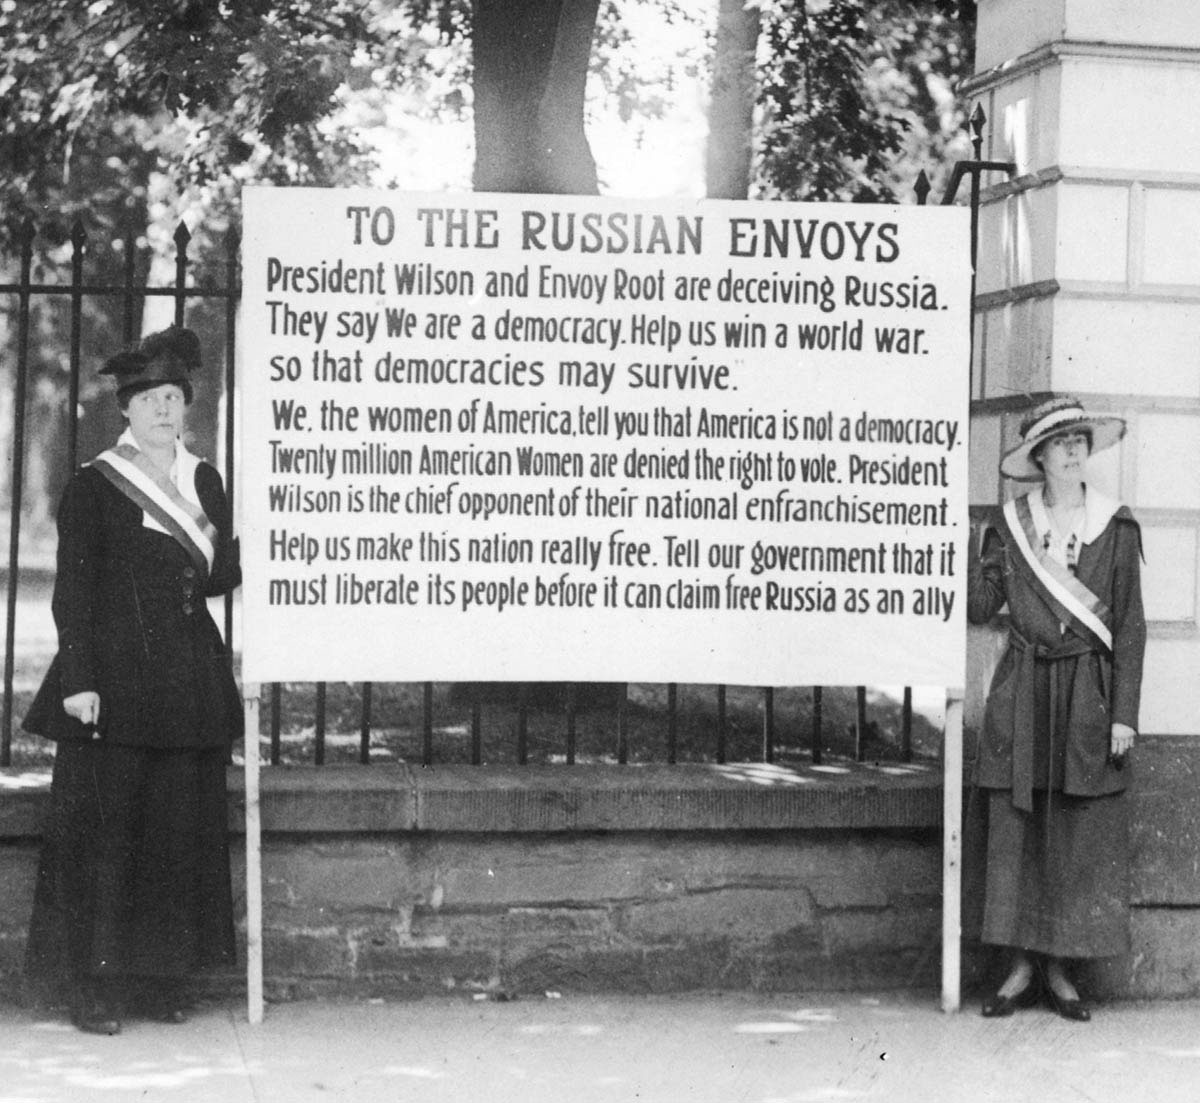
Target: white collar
[[1098, 511]]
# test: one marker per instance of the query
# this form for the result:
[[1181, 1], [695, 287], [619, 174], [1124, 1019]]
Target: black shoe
[[93, 1015], [165, 1003], [997, 1006], [1075, 1009]]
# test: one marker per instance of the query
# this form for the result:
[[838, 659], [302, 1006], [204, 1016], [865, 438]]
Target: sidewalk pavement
[[710, 1048]]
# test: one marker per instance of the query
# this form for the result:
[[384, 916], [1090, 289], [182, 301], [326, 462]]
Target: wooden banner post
[[952, 846], [254, 905]]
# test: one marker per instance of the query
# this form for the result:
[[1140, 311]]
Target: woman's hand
[[85, 707], [1122, 740]]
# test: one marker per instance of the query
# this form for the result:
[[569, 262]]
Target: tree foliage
[[820, 137], [850, 88], [920, 52], [137, 113], [96, 97]]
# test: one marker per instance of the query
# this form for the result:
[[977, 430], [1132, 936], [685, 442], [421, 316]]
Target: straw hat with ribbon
[[1058, 415]]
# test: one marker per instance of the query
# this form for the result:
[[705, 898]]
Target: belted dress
[[1055, 877], [134, 876]]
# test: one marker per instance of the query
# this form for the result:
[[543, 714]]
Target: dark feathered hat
[[168, 356]]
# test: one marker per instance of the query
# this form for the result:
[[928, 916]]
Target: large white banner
[[571, 438]]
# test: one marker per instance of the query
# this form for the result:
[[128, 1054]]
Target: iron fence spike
[[79, 235], [922, 187], [182, 235], [978, 118]]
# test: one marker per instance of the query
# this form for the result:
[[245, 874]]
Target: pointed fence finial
[[978, 118], [79, 235], [182, 236], [921, 188]]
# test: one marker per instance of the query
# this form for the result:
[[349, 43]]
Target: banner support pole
[[952, 848], [254, 902]]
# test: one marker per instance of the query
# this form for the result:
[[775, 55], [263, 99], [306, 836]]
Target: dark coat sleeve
[[76, 585], [226, 573], [1129, 622], [986, 592]]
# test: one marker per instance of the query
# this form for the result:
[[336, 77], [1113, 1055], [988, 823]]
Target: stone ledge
[[327, 799], [513, 799], [747, 796]]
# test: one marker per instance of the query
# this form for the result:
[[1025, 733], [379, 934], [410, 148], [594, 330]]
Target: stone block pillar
[[1089, 276]]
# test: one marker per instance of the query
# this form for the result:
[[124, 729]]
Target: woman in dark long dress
[[1062, 711], [133, 891]]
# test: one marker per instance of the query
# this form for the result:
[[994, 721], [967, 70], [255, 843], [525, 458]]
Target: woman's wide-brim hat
[[1059, 415], [168, 356]]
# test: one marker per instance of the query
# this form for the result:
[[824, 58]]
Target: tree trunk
[[731, 107], [530, 78], [531, 65]]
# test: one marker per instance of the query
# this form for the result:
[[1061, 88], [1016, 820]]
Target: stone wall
[[399, 881], [632, 912], [386, 879]]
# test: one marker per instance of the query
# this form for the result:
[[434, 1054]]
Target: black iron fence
[[483, 717]]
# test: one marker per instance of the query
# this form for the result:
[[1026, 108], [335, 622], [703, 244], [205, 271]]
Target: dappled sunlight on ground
[[413, 1072], [700, 1048], [899, 769], [796, 775], [770, 1028], [817, 1095], [790, 1022], [58, 1059], [761, 773], [578, 1030], [26, 779], [813, 1015]]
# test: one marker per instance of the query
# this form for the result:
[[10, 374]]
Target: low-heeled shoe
[[95, 1017], [165, 1006], [997, 1006], [1076, 1010]]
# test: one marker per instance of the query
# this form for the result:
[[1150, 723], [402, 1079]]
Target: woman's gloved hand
[[85, 707]]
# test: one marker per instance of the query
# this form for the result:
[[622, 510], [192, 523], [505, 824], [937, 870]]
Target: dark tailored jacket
[[1093, 689], [133, 625]]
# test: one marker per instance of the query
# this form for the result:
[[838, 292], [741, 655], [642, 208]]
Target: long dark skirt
[[134, 878], [1054, 882]]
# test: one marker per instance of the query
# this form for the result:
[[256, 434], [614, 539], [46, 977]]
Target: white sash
[[161, 500], [1063, 587]]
